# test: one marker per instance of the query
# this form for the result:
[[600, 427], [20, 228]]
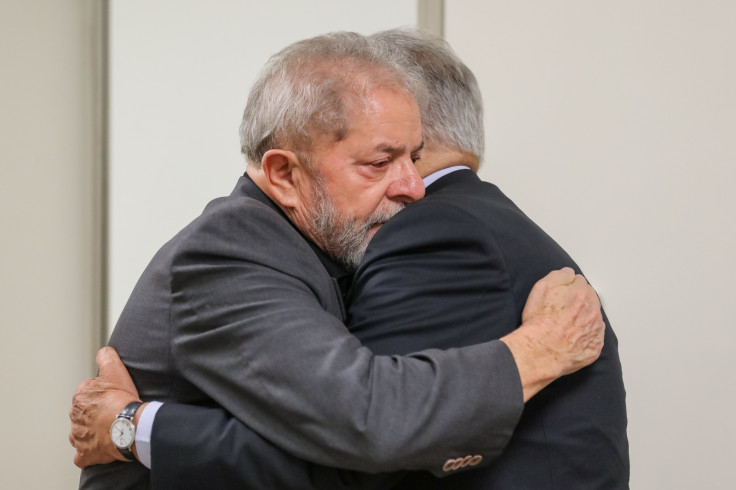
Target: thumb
[[564, 276], [113, 371]]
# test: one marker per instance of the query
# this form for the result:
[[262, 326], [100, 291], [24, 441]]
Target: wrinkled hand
[[95, 405], [570, 309], [562, 330]]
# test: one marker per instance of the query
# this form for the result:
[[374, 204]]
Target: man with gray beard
[[345, 238], [239, 310]]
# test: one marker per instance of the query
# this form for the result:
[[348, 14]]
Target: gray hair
[[308, 88], [454, 114]]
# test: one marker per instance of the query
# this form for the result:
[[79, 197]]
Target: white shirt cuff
[[143, 433]]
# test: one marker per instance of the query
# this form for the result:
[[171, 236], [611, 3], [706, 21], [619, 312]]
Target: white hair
[[453, 116], [308, 88]]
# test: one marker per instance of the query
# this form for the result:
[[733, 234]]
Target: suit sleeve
[[434, 277], [197, 447], [253, 334]]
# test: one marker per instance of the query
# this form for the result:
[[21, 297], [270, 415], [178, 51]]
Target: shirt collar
[[431, 178]]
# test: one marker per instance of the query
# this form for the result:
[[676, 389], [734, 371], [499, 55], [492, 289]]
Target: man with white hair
[[238, 310], [466, 252]]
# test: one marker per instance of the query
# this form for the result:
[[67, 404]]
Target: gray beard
[[345, 239]]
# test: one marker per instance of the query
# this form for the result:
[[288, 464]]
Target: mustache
[[379, 217]]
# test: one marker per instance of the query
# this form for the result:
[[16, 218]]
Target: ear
[[284, 176]]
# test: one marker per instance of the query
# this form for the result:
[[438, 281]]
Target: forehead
[[385, 117]]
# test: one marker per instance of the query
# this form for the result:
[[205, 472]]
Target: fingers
[[108, 361], [113, 371], [75, 413], [588, 297], [95, 404], [562, 276], [591, 325], [82, 459], [79, 461], [578, 281], [82, 388], [552, 293], [77, 435], [582, 297]]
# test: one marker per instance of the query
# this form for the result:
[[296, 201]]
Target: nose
[[407, 185]]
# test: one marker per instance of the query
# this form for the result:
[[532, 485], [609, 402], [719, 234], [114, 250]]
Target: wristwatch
[[122, 430]]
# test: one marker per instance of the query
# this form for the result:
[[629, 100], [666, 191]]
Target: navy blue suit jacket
[[453, 269], [461, 256]]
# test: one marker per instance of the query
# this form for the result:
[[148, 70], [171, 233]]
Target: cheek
[[370, 204], [358, 201], [355, 195]]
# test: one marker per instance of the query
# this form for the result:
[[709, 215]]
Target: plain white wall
[[48, 241], [613, 125]]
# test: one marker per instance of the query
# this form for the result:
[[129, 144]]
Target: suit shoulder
[[435, 215], [238, 228], [236, 218], [445, 231]]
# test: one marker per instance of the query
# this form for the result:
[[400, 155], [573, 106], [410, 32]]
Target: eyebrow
[[398, 149]]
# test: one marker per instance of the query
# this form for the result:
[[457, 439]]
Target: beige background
[[611, 124], [47, 290]]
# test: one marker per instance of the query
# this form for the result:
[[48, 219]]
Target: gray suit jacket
[[237, 310]]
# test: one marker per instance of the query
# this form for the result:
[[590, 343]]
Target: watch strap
[[128, 413], [130, 409], [127, 453]]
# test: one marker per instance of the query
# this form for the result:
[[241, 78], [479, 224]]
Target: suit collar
[[437, 174], [459, 175], [247, 188]]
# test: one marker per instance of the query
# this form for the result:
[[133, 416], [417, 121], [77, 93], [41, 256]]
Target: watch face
[[122, 433]]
